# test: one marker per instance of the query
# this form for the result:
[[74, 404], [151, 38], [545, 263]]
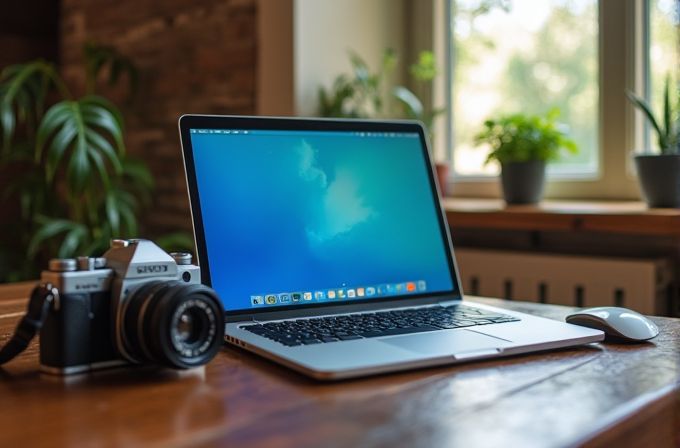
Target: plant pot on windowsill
[[523, 182], [523, 144], [659, 177], [442, 171]]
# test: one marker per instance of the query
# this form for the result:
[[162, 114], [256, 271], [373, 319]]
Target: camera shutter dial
[[62, 265]]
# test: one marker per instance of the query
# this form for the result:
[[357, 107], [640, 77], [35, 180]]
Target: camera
[[137, 304]]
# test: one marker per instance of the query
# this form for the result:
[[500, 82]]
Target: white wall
[[326, 30]]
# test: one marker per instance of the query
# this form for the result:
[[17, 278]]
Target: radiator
[[638, 284]]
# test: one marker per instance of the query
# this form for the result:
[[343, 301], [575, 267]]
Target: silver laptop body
[[301, 222]]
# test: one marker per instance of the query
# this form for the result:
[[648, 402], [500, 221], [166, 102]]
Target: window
[[663, 53], [532, 55], [526, 56]]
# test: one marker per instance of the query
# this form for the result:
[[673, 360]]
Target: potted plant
[[77, 189], [367, 95], [659, 174], [523, 144], [424, 71]]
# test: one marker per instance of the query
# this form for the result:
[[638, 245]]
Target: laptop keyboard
[[319, 330]]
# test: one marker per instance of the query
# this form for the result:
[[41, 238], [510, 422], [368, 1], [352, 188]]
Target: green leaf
[[23, 90], [113, 213], [100, 143], [61, 142], [425, 69], [361, 71], [128, 216], [389, 61], [31, 189], [646, 108], [519, 137], [80, 128], [50, 227], [96, 159], [72, 241], [413, 105], [98, 112], [138, 173], [7, 122], [98, 56], [94, 101], [176, 242], [55, 117], [79, 171], [120, 209], [668, 121]]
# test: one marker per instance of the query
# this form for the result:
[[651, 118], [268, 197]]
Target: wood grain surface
[[596, 395]]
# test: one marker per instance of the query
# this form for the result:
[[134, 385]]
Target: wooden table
[[596, 395]]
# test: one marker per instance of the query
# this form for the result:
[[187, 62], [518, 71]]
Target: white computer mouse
[[618, 322]]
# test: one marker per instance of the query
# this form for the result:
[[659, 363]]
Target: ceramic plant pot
[[442, 171], [659, 177], [523, 182]]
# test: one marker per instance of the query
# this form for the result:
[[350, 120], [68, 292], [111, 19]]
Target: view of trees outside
[[663, 54], [525, 56]]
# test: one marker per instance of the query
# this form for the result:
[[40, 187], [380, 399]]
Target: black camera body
[[137, 304]]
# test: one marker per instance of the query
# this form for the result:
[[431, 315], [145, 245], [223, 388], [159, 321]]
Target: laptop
[[327, 243]]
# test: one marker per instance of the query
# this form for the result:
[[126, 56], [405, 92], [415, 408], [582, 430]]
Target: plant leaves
[[120, 209], [79, 127], [646, 108], [51, 227], [72, 241], [98, 56], [176, 242], [113, 213], [519, 137], [413, 105], [136, 176], [361, 71], [23, 91]]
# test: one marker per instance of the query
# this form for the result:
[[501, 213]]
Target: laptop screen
[[310, 217]]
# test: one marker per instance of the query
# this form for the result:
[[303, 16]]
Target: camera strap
[[38, 305]]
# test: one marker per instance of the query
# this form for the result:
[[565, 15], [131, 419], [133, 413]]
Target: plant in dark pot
[[523, 145], [659, 174]]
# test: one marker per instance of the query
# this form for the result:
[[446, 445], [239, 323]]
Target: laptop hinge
[[449, 303]]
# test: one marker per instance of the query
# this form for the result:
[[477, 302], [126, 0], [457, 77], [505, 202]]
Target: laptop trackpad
[[446, 342]]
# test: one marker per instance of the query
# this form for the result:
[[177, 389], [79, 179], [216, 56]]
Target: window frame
[[622, 65]]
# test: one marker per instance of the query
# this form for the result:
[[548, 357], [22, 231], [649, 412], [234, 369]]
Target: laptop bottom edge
[[465, 356]]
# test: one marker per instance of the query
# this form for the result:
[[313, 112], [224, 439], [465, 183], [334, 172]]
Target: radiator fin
[[638, 284]]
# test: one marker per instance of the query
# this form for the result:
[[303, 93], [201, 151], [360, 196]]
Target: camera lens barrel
[[172, 323]]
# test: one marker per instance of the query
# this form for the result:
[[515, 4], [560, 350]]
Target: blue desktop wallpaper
[[295, 211]]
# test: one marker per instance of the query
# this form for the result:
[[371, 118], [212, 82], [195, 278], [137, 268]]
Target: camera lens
[[188, 330], [172, 323]]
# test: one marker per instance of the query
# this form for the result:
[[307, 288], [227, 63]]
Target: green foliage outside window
[[507, 60]]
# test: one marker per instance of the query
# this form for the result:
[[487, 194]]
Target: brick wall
[[193, 57], [28, 31]]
